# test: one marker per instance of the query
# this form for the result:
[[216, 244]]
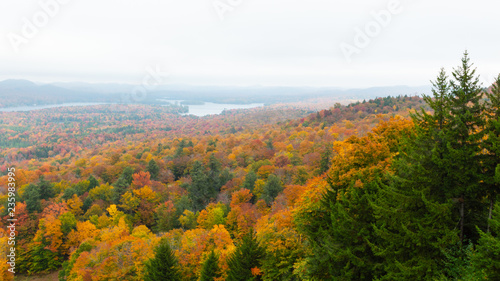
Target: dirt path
[[49, 277]]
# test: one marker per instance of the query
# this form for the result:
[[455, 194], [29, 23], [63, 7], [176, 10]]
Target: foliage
[[164, 264], [245, 262]]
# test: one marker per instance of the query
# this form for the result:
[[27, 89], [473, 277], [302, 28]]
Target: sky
[[316, 43]]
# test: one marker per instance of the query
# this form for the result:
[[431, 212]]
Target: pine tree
[[153, 169], [214, 180], [246, 257], [163, 266], [324, 163], [250, 180], [210, 268], [487, 253], [271, 189], [340, 233], [491, 159], [45, 189], [463, 159], [200, 191], [422, 154], [93, 182], [32, 197], [439, 102], [411, 230]]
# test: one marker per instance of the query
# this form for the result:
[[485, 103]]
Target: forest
[[392, 188]]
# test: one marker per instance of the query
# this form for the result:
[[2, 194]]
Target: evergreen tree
[[341, 230], [250, 180], [246, 257], [153, 169], [210, 268], [324, 163], [463, 159], [214, 173], [491, 159], [93, 182], [32, 198], [127, 175], [487, 253], [122, 183], [45, 189], [179, 152], [163, 266], [339, 233], [411, 231], [271, 189], [200, 192]]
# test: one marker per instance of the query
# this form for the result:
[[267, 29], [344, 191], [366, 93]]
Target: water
[[37, 107], [209, 108], [205, 109]]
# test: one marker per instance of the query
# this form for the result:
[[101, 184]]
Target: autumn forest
[[391, 188]]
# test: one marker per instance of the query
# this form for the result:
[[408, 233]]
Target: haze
[[252, 42]]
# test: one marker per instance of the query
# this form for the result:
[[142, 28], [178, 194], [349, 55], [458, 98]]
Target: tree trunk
[[489, 215], [462, 219]]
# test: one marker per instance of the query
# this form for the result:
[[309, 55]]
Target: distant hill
[[24, 92]]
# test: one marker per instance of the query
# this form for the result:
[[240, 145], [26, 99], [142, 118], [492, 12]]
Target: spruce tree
[[463, 159], [163, 266], [491, 159], [487, 253], [199, 190], [153, 169], [271, 189], [93, 182], [411, 230], [339, 235], [45, 189], [31, 197], [214, 180], [324, 163], [210, 268], [247, 256], [250, 180]]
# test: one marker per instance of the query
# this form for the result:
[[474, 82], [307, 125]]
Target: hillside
[[310, 194]]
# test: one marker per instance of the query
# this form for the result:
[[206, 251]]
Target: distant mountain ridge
[[18, 92]]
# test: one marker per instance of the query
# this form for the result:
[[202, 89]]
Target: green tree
[[122, 183], [153, 169], [491, 160], [200, 191], [247, 256], [45, 189], [210, 268], [339, 235], [271, 189], [164, 265], [325, 161], [31, 197], [411, 230], [463, 159], [93, 182], [487, 253], [250, 180]]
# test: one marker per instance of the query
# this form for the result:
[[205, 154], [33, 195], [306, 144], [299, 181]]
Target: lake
[[37, 107], [209, 108], [204, 109]]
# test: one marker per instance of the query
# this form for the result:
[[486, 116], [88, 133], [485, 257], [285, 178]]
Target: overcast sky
[[248, 42]]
